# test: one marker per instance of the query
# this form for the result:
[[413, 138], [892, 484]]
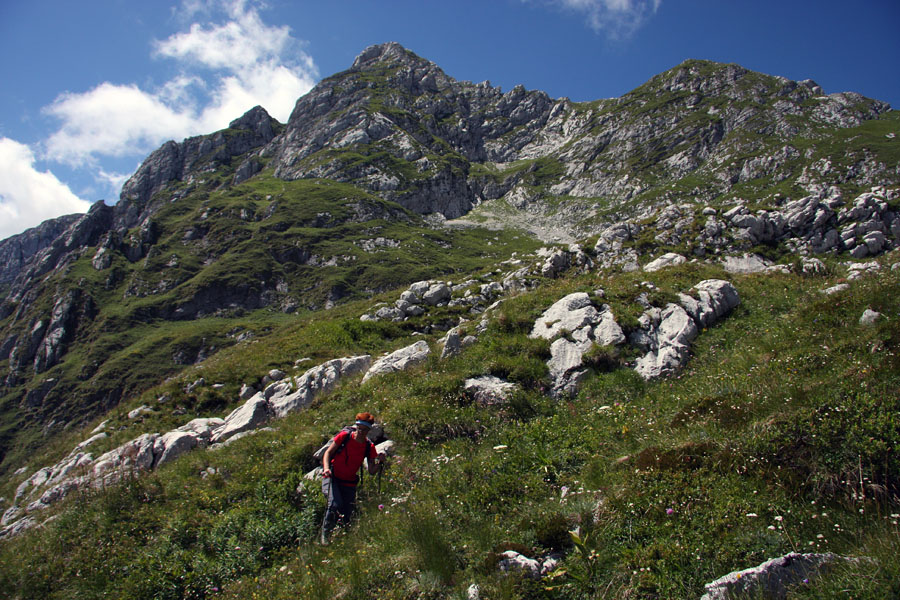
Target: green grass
[[756, 449]]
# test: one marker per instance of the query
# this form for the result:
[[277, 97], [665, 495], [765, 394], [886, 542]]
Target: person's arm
[[374, 462], [326, 459]]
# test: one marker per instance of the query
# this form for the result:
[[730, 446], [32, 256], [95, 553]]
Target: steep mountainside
[[696, 375], [349, 199]]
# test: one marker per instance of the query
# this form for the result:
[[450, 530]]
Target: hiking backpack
[[320, 453]]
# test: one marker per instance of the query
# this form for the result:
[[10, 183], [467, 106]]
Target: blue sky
[[90, 88]]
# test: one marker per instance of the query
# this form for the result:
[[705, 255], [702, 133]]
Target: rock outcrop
[[399, 360], [80, 470], [575, 326], [773, 578]]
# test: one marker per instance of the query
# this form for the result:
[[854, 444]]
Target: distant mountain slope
[[235, 229]]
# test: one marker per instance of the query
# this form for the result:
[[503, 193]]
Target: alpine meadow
[[636, 348]]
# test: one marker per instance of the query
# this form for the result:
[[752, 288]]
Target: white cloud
[[28, 196], [226, 69], [617, 19], [112, 120]]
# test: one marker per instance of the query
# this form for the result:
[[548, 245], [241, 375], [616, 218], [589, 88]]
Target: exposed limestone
[[666, 336], [488, 390], [254, 412], [748, 263], [531, 567], [772, 578], [318, 380], [666, 260], [870, 317], [399, 360], [152, 450]]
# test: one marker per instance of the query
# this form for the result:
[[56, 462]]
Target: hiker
[[341, 461]]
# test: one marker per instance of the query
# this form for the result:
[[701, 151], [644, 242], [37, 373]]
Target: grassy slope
[[783, 409], [130, 345]]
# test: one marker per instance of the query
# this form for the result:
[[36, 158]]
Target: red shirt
[[347, 462]]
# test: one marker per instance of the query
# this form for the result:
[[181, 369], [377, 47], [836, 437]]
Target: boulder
[[715, 298], [318, 380], [436, 294], [812, 266], [400, 360], [202, 429], [770, 579], [488, 390], [251, 415], [670, 332], [556, 263], [139, 411], [748, 263], [452, 344], [607, 332], [530, 567], [869, 317], [135, 455], [565, 365], [669, 259], [568, 314], [836, 289], [173, 444]]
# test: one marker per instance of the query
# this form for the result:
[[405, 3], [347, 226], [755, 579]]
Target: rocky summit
[[617, 320]]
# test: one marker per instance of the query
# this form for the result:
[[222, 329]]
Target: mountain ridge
[[199, 229], [696, 374]]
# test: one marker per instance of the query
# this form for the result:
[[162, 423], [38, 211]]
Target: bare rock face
[[488, 390], [317, 380], [173, 161], [253, 414], [668, 334], [399, 360], [772, 578], [15, 251]]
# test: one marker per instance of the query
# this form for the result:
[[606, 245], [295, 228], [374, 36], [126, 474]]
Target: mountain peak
[[391, 52]]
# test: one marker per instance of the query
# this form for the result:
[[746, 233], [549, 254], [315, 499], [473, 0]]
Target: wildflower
[[670, 511], [779, 518], [381, 507], [752, 515]]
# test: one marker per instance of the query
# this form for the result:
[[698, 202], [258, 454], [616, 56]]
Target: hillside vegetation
[[779, 436], [270, 247]]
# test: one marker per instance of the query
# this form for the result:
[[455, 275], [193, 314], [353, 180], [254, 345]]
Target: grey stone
[[565, 365], [870, 317], [319, 380], [399, 360], [836, 288], [251, 415], [488, 390], [748, 263], [770, 579], [567, 314], [436, 294], [139, 411], [669, 343], [530, 567], [666, 260], [715, 299], [173, 444], [202, 428], [607, 332], [452, 344]]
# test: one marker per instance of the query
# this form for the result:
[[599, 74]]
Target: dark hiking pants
[[341, 504]]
